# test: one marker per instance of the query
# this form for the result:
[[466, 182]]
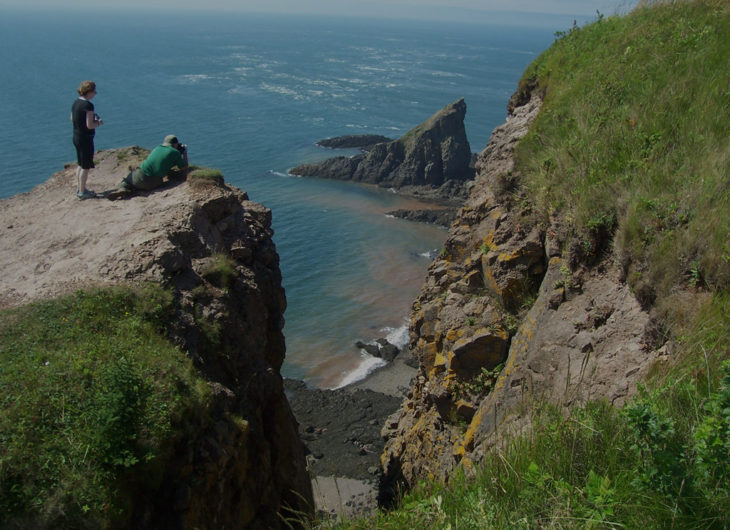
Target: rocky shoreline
[[341, 430], [442, 217]]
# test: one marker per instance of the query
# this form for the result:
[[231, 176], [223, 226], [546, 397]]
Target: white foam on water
[[365, 368], [281, 90], [397, 336], [189, 79], [439, 73]]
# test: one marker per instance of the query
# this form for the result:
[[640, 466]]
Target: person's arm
[[91, 121]]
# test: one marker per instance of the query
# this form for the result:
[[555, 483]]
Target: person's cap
[[170, 139]]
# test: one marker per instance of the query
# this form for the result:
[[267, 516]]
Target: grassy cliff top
[[631, 154], [634, 139]]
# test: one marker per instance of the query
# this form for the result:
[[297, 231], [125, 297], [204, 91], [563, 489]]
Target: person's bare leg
[[81, 176]]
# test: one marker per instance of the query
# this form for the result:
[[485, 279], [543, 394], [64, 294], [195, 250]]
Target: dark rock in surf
[[382, 349]]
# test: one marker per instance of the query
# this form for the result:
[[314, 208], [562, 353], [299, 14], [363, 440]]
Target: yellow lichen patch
[[439, 360], [449, 379], [429, 351], [467, 442], [451, 356], [426, 328], [488, 241], [489, 280], [509, 367], [511, 256]]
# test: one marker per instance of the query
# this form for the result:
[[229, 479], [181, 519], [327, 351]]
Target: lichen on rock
[[503, 317]]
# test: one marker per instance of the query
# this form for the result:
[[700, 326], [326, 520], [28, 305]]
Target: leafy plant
[[480, 385]]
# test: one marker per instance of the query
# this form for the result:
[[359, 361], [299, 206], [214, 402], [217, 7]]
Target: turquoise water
[[250, 95]]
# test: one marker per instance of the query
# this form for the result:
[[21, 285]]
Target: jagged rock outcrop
[[435, 154], [442, 217], [364, 142], [501, 318], [241, 463]]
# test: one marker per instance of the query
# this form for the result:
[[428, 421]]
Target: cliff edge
[[242, 463], [502, 322]]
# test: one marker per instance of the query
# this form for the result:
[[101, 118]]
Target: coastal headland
[[235, 460], [185, 236], [433, 162]]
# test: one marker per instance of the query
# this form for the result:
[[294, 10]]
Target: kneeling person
[[158, 164]]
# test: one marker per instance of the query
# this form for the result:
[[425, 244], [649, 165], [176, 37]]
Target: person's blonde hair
[[85, 87]]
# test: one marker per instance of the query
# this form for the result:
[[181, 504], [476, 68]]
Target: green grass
[[631, 151], [93, 394], [633, 138], [201, 176], [663, 461]]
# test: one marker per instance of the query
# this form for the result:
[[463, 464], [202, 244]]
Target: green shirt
[[161, 160]]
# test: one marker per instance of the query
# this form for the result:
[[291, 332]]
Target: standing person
[[158, 165], [85, 121]]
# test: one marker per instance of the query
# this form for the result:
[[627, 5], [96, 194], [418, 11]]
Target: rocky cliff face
[[433, 154], [502, 321], [241, 463]]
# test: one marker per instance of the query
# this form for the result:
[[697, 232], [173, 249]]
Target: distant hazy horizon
[[560, 13]]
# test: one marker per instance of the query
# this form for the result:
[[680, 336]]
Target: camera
[[183, 148]]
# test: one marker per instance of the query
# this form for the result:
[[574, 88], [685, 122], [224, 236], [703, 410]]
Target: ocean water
[[250, 95]]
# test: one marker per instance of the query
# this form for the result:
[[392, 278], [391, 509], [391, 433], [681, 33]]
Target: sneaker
[[120, 193], [87, 194]]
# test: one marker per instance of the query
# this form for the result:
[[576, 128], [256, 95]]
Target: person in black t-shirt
[[85, 122]]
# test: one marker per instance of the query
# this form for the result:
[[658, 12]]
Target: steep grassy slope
[[93, 393], [630, 157], [633, 137]]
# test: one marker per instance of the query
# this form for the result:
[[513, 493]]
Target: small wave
[[397, 336], [440, 73], [281, 90], [280, 174], [192, 79], [430, 254], [366, 367]]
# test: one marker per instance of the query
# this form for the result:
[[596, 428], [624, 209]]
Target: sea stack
[[432, 154]]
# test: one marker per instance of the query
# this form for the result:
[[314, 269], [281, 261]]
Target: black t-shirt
[[78, 112]]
